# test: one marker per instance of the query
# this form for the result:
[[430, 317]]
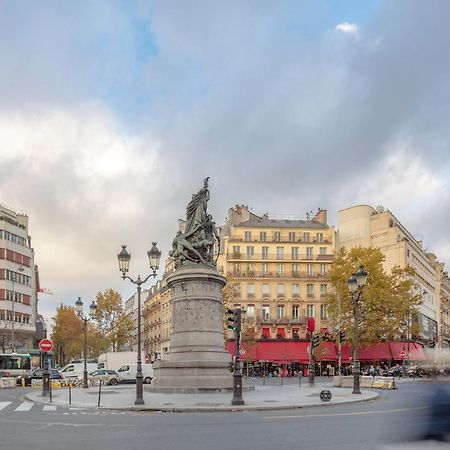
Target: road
[[396, 416]]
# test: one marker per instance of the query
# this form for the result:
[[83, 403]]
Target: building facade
[[18, 283], [365, 226], [279, 271]]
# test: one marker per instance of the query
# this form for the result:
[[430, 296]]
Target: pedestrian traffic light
[[341, 336], [432, 342], [234, 319], [315, 340]]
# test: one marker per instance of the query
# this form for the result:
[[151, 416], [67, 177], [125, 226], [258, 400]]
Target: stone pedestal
[[197, 360]]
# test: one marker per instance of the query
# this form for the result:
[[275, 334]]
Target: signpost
[[46, 345]]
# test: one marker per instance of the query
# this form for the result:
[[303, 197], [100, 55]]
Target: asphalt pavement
[[268, 397]]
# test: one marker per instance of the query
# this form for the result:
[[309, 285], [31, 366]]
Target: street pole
[[139, 377], [356, 389], [237, 372], [13, 345], [45, 377], [339, 340], [85, 371], [311, 368]]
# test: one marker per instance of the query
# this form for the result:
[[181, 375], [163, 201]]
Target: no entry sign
[[403, 354], [46, 345]]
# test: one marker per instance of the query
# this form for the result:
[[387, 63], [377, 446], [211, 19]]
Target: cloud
[[346, 27]]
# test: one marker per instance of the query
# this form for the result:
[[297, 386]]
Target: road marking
[[3, 405], [25, 406], [49, 408], [362, 413]]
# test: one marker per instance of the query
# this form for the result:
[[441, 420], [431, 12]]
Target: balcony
[[282, 240], [283, 320], [261, 274], [262, 257]]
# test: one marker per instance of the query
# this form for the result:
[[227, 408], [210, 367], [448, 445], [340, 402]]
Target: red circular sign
[[46, 345], [403, 354]]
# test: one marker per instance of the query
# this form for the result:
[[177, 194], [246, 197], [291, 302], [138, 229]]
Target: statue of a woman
[[196, 209]]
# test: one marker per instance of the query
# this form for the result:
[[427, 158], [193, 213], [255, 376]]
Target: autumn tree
[[111, 319], [67, 334], [388, 301]]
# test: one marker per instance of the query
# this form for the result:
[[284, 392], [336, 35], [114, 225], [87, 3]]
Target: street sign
[[46, 345], [403, 354]]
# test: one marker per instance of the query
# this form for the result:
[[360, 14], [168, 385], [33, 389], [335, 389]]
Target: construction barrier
[[56, 384], [365, 382], [7, 383]]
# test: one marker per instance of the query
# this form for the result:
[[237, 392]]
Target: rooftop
[[265, 222]]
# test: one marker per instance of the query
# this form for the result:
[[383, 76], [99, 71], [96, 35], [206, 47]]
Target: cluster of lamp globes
[[357, 281]]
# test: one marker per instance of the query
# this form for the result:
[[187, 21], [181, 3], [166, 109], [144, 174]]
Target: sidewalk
[[261, 398]]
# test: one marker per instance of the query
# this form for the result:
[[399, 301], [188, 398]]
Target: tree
[[111, 319], [67, 334], [388, 301]]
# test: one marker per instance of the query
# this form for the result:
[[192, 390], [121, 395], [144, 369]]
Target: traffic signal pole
[[311, 369], [237, 372]]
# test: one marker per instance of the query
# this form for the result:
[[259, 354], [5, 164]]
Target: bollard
[[99, 392], [264, 380], [282, 380], [70, 392], [299, 379], [50, 391]]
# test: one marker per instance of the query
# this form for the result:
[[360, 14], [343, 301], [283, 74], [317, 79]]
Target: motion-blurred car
[[106, 375], [37, 374]]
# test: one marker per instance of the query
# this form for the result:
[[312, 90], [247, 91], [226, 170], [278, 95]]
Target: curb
[[230, 408]]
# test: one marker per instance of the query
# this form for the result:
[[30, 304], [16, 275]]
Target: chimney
[[321, 216]]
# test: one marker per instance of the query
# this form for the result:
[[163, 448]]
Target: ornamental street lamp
[[85, 319], [356, 285], [154, 256]]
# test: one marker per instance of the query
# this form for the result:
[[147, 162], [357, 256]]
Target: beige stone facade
[[365, 226], [279, 269]]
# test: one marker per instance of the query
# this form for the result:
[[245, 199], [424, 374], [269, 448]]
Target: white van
[[127, 373], [74, 370]]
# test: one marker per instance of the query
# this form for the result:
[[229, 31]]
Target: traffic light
[[432, 342], [341, 336], [234, 320], [315, 340]]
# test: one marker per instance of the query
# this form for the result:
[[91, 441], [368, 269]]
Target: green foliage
[[112, 322], [386, 304]]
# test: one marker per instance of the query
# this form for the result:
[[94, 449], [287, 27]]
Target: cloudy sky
[[113, 112]]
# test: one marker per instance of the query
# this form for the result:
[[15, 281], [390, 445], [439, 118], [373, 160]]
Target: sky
[[113, 112]]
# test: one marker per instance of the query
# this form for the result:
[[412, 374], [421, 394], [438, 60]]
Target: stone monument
[[197, 360]]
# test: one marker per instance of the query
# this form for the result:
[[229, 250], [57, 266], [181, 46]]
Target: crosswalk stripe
[[4, 405], [25, 406], [49, 408]]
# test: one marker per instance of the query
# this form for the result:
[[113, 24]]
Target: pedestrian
[[372, 371]]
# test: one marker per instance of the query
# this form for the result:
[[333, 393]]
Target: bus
[[14, 364]]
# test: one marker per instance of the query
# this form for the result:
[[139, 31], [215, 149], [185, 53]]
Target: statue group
[[196, 244]]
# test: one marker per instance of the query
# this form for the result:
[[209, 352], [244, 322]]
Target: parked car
[[37, 374], [74, 370], [127, 373], [106, 375]]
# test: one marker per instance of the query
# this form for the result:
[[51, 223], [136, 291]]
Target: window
[[251, 289], [319, 237], [295, 290], [265, 269], [309, 270], [280, 252], [294, 253], [295, 333], [250, 269], [280, 311], [291, 237], [309, 253], [310, 290], [263, 236], [236, 251], [323, 250], [280, 270], [250, 311], [305, 237], [236, 270], [309, 310], [237, 289], [323, 269], [265, 312], [266, 332], [294, 268], [250, 252], [280, 289], [323, 290], [265, 289], [277, 236], [248, 236], [323, 312], [295, 311], [265, 252]]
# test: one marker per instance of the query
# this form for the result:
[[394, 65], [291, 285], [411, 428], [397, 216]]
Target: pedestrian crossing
[[7, 407]]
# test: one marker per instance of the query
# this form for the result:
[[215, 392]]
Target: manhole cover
[[270, 401]]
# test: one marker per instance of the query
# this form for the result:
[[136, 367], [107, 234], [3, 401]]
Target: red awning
[[386, 351], [376, 352]]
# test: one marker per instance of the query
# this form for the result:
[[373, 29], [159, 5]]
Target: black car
[[37, 374]]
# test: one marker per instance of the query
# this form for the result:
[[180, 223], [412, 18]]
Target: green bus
[[14, 364]]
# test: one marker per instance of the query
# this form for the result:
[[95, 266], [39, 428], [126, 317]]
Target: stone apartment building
[[18, 283], [279, 270]]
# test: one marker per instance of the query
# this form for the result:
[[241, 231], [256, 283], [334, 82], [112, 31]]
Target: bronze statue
[[196, 244]]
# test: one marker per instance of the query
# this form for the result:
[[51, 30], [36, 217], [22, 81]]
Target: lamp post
[[13, 311], [154, 256], [85, 319], [356, 285]]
